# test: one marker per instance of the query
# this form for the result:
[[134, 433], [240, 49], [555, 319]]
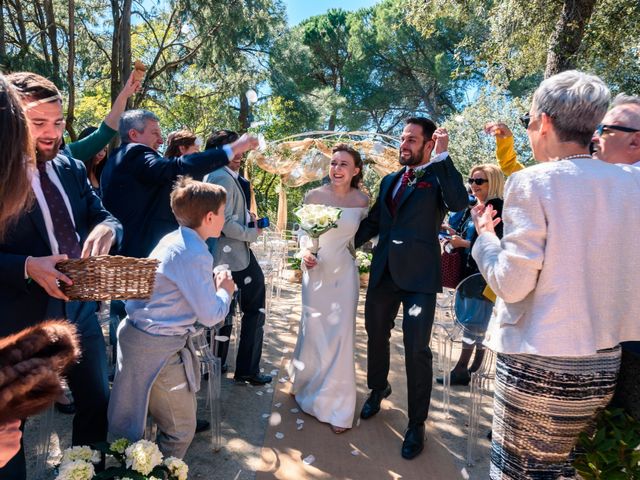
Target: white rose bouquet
[[141, 460], [315, 220]]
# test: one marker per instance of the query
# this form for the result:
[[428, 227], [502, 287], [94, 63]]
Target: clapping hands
[[484, 219]]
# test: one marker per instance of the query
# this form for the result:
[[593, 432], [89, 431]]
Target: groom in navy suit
[[406, 267], [66, 220]]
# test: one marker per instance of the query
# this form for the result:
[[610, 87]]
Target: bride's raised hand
[[309, 259]]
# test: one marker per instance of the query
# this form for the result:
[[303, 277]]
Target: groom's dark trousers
[[381, 308]]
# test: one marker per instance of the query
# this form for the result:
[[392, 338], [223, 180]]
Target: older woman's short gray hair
[[576, 102], [134, 119]]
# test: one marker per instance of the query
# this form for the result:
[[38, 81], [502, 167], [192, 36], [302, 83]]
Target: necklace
[[580, 155]]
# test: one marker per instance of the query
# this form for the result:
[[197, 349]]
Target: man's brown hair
[[192, 200], [175, 140], [34, 86]]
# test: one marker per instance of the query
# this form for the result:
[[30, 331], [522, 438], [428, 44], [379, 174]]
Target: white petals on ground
[[259, 393], [277, 405], [234, 217], [275, 419], [279, 435], [397, 242], [299, 421], [269, 390], [358, 422], [247, 280], [298, 365], [309, 459], [300, 426], [262, 310], [316, 314], [226, 249], [266, 415], [282, 380], [294, 410], [415, 310], [221, 338], [274, 372], [355, 453]]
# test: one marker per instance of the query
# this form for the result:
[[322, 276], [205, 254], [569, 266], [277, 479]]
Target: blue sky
[[298, 10]]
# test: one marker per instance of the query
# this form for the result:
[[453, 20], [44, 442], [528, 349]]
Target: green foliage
[[469, 145], [612, 452]]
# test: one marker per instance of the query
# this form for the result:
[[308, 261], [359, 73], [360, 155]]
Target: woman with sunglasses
[[564, 273], [487, 185]]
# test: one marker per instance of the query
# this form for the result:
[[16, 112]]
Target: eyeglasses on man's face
[[477, 181], [602, 128]]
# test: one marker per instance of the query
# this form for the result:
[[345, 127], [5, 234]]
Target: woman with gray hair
[[564, 273]]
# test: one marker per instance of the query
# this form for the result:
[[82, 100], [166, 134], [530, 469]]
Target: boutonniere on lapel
[[415, 180]]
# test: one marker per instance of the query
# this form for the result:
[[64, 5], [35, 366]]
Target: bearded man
[[67, 220], [406, 267]]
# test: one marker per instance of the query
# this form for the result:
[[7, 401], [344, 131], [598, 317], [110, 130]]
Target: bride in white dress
[[323, 365]]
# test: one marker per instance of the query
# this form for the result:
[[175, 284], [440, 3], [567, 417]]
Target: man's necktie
[[63, 228], [406, 177]]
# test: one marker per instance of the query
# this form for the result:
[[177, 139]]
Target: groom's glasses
[[477, 181]]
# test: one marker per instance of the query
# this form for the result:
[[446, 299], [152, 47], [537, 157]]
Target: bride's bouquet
[[316, 220]]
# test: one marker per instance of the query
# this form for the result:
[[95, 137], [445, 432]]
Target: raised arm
[[505, 151]]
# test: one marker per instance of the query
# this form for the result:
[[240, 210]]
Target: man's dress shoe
[[372, 405], [413, 441], [257, 379]]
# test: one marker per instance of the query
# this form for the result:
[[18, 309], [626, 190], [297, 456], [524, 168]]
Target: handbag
[[451, 266]]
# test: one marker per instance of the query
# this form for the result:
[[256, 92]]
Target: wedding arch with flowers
[[305, 157]]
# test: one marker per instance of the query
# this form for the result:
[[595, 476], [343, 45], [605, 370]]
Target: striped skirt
[[541, 405]]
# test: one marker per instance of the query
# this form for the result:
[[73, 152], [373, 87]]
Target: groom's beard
[[413, 159]]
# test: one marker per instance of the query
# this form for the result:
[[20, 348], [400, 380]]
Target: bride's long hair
[[357, 160]]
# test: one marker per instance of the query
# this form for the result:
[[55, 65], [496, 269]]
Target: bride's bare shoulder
[[317, 195], [360, 198]]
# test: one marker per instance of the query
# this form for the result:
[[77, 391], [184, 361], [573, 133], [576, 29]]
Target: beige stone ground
[[244, 426]]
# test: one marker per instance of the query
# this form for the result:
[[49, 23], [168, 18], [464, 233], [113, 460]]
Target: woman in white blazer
[[565, 271]]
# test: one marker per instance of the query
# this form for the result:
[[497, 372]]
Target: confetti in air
[[247, 280], [398, 242], [298, 365], [415, 310], [309, 459], [226, 249], [279, 435]]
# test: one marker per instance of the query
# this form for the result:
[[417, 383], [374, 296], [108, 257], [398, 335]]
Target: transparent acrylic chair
[[480, 380], [210, 364], [43, 442], [471, 316]]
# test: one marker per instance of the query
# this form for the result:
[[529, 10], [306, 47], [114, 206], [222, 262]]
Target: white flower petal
[[355, 453], [299, 365], [398, 242], [247, 280], [275, 419], [277, 405], [221, 338], [266, 415], [279, 435], [309, 459], [294, 410], [226, 249], [299, 421], [415, 310]]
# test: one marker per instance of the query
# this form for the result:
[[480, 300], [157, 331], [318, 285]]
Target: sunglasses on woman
[[477, 181]]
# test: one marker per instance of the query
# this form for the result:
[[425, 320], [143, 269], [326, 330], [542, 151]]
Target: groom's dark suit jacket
[[24, 303], [408, 241]]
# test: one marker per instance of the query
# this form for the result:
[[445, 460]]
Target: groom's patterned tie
[[406, 177], [63, 228]]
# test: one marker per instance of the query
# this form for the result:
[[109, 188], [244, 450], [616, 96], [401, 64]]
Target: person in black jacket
[[406, 267], [487, 185], [136, 181]]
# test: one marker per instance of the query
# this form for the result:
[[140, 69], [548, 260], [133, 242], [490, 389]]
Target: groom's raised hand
[[441, 137]]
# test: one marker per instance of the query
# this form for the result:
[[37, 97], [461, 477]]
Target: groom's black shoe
[[372, 405], [413, 441]]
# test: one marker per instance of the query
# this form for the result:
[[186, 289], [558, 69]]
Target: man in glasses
[[617, 138]]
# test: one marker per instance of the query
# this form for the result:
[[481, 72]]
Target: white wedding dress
[[323, 365]]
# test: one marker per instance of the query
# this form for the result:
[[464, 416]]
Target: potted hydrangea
[[363, 261], [295, 268], [141, 460]]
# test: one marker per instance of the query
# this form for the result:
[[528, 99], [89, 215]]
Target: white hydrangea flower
[[76, 470], [177, 468], [84, 453], [143, 456], [120, 445]]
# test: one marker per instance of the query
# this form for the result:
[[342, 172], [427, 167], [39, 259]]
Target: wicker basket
[[108, 277]]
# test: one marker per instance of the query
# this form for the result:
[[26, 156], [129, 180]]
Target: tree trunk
[[42, 25], [243, 116], [52, 32], [71, 72], [24, 41], [120, 46], [3, 44], [567, 36]]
